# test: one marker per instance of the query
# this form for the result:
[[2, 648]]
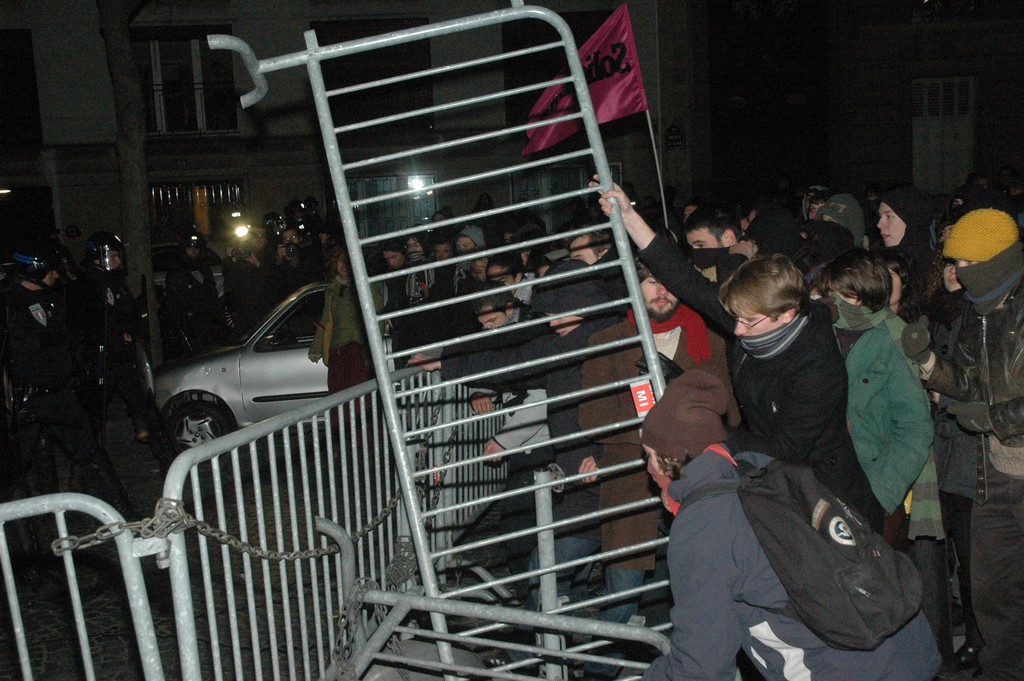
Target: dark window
[[189, 88], [377, 64], [19, 97]]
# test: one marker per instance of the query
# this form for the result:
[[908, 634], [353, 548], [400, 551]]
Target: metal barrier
[[263, 486], [25, 519], [476, 168], [269, 597]]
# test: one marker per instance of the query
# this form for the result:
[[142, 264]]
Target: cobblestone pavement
[[46, 605]]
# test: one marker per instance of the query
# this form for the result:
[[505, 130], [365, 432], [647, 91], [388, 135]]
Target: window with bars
[[175, 207], [389, 216], [189, 88], [942, 113]]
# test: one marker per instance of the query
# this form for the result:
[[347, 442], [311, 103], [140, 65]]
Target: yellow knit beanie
[[981, 235]]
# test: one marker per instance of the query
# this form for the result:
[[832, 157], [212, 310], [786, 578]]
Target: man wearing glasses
[[787, 373]]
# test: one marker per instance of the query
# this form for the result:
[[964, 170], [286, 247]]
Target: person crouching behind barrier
[[727, 596]]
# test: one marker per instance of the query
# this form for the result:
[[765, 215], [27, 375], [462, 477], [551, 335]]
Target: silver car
[[206, 396]]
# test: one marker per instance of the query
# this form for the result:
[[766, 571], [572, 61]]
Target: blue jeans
[[572, 582]]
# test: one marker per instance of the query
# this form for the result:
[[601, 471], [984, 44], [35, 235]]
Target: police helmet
[[193, 239], [33, 264], [100, 246]]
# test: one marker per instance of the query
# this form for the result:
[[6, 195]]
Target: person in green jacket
[[887, 409], [340, 339]]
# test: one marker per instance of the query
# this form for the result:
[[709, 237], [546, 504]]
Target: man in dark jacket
[[105, 312], [986, 375], [727, 595], [787, 373], [192, 299], [571, 332]]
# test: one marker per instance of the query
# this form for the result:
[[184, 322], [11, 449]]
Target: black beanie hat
[[556, 297], [912, 206]]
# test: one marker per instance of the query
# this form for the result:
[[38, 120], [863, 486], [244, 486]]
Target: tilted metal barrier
[[268, 598], [481, 162]]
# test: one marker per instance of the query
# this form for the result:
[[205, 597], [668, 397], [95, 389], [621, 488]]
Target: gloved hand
[[972, 416], [915, 341], [669, 369]]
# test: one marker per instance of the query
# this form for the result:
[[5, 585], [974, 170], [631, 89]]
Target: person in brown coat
[[682, 337]]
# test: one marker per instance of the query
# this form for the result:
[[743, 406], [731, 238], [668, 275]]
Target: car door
[[274, 371]]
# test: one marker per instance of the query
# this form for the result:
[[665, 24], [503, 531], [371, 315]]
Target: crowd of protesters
[[874, 338], [917, 310]]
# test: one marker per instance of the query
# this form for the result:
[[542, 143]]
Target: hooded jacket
[[726, 595]]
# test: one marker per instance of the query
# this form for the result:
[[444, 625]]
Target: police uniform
[[46, 406], [105, 312]]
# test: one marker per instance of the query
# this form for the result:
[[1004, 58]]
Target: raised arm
[[668, 264]]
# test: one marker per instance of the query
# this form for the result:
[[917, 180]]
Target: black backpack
[[843, 581]]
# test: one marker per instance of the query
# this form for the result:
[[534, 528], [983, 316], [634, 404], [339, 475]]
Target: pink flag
[[613, 76]]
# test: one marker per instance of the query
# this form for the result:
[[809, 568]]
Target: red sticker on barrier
[[643, 397]]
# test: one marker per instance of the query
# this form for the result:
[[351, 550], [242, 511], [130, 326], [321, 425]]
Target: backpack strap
[[709, 490]]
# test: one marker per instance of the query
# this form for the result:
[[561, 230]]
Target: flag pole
[[657, 170]]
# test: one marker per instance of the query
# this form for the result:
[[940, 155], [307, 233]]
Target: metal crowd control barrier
[[462, 123], [23, 522], [253, 614]]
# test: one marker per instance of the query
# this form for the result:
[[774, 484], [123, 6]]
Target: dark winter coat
[[794, 404], [727, 596], [557, 378], [986, 366], [104, 310], [39, 343], [620, 447]]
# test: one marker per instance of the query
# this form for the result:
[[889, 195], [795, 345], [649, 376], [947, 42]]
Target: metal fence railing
[[470, 124], [259, 591], [265, 486], [25, 523]]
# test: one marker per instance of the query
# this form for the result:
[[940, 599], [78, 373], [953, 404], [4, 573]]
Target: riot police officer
[[110, 321], [192, 299], [47, 411]]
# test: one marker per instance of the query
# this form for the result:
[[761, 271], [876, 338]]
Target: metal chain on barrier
[[170, 517], [446, 457], [342, 650]]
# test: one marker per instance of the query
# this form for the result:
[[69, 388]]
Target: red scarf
[[698, 347]]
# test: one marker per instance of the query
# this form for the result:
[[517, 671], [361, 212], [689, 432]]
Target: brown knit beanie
[[981, 235], [688, 417]]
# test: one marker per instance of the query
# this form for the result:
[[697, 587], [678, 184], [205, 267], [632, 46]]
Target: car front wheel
[[197, 421]]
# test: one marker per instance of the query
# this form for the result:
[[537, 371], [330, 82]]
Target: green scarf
[[858, 317]]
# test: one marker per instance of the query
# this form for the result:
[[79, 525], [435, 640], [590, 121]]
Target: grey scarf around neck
[[775, 342]]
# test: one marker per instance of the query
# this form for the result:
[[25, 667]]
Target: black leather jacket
[[988, 365]]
